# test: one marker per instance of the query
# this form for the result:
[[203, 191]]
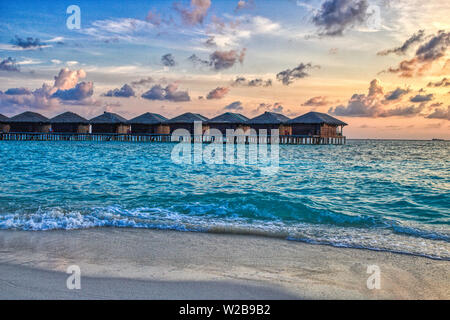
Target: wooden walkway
[[297, 140]]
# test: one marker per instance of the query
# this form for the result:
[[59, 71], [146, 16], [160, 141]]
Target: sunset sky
[[381, 66]]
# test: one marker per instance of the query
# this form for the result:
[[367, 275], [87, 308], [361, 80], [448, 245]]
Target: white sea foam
[[409, 241]]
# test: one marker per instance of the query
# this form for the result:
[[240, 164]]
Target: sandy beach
[[149, 264]]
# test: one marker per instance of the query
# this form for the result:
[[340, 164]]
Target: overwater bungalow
[[228, 120], [271, 120], [4, 124], [310, 128], [69, 122], [29, 122], [186, 121], [110, 122], [149, 123], [317, 124]]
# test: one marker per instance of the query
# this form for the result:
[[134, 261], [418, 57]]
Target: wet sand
[[152, 264]]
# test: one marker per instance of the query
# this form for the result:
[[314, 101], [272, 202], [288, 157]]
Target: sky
[[382, 66]]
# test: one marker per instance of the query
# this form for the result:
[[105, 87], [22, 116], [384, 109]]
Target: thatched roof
[[108, 117], [3, 118], [317, 118], [229, 117], [269, 118], [69, 117], [187, 117], [29, 116], [148, 118]]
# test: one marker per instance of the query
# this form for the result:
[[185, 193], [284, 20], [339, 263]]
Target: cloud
[[257, 82], [168, 60], [336, 16], [220, 60], [113, 30], [39, 99], [142, 82], [415, 38], [120, 26], [244, 5], [318, 101], [170, 93], [28, 43], [157, 92], [435, 48], [9, 64], [173, 94], [65, 89], [154, 18], [422, 98], [67, 79], [443, 83], [81, 91], [237, 105], [17, 91], [125, 92], [196, 13], [236, 29], [240, 5], [426, 55], [436, 104], [396, 94], [57, 40], [218, 93], [276, 107], [288, 76], [198, 61], [210, 42], [361, 105], [374, 104], [407, 111], [240, 81], [440, 114], [375, 88], [406, 68], [28, 61]]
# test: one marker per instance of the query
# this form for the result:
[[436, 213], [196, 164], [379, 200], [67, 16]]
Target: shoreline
[[21, 284], [156, 264]]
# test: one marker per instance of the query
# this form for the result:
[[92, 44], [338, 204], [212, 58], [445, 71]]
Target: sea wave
[[381, 195], [390, 237]]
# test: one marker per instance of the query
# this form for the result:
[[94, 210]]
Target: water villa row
[[310, 128]]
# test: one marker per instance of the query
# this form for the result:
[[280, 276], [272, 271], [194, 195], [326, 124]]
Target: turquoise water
[[381, 195]]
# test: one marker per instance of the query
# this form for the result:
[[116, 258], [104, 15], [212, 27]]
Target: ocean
[[372, 194]]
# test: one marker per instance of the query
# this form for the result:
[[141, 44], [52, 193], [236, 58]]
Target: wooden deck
[[296, 140]]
